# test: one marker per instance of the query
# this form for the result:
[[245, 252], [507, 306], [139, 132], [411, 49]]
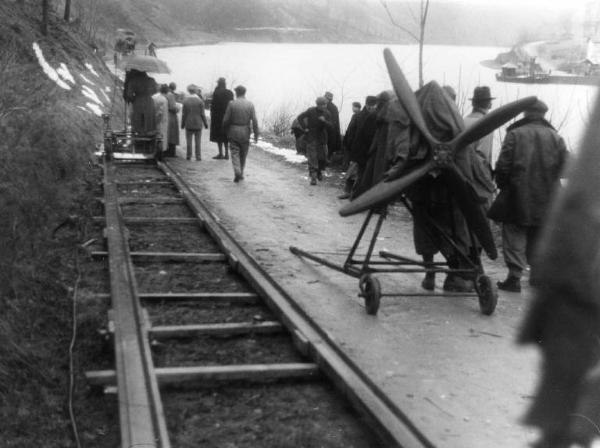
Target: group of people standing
[[154, 112], [381, 144], [317, 132]]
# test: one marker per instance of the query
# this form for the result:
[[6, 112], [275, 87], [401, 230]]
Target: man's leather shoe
[[454, 283], [428, 282], [511, 284]]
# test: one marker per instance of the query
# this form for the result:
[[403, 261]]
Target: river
[[286, 78]]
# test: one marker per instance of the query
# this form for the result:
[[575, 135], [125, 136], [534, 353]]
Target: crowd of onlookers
[[154, 111], [380, 143]]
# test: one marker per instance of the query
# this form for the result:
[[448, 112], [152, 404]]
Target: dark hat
[[321, 100], [240, 90], [371, 100], [356, 104], [482, 93], [538, 107]]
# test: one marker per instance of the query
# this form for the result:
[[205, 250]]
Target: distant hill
[[205, 21]]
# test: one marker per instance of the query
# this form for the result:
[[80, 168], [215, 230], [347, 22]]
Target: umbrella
[[145, 64]]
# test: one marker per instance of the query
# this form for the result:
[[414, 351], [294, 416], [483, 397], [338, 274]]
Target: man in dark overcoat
[[528, 172], [220, 99], [334, 136], [316, 121], [138, 91]]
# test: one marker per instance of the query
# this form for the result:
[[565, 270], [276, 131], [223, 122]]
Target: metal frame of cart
[[365, 268]]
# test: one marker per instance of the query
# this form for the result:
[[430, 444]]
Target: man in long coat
[[218, 105], [192, 119], [528, 171], [316, 121], [161, 108], [334, 136], [138, 91], [173, 129]]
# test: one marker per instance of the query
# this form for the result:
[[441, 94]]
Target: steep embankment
[[52, 89]]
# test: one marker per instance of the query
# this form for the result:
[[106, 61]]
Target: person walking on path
[[316, 122], [161, 108], [334, 137], [218, 105], [482, 163], [347, 165], [238, 122], [192, 119], [528, 173], [173, 125]]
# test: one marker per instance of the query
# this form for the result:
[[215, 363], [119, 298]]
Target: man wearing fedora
[[528, 173], [482, 160]]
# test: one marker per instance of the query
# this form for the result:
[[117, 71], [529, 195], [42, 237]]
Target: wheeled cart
[[386, 262]]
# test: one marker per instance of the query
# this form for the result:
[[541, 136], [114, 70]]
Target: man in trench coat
[[528, 173]]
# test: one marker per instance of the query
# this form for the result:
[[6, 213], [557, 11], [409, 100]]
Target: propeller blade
[[469, 204], [384, 192], [406, 96], [491, 121]]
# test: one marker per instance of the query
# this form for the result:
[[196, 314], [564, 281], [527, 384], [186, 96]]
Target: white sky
[[555, 4]]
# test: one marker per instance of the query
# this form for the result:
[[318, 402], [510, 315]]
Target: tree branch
[[396, 24]]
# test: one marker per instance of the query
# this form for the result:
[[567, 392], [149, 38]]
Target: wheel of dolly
[[370, 289], [488, 296]]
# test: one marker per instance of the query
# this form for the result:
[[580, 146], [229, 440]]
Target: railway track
[[204, 339]]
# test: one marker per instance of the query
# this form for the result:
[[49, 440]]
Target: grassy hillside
[[49, 128]]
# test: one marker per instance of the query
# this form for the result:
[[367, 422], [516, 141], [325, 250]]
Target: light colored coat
[[161, 109]]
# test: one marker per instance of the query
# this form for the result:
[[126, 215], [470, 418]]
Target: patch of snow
[[94, 108], [64, 73], [91, 94], [288, 154], [105, 95], [90, 67], [86, 79], [107, 89], [48, 70]]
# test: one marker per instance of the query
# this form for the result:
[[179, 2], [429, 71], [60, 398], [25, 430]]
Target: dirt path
[[456, 373]]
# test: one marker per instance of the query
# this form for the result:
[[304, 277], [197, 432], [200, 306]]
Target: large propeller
[[441, 156]]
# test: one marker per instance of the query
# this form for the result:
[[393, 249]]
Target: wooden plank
[[132, 183], [169, 256], [209, 297], [238, 297], [221, 329], [245, 372], [150, 200], [153, 220]]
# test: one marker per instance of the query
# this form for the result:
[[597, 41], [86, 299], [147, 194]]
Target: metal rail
[[141, 414]]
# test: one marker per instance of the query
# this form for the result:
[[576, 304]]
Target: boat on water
[[510, 73]]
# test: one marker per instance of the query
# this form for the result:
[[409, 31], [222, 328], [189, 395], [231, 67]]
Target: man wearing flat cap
[[528, 173], [316, 122]]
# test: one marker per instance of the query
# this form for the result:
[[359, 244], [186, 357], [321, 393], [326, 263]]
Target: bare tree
[[67, 15], [419, 35], [45, 12]]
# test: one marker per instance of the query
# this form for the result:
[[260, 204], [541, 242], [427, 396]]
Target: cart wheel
[[370, 289], [488, 296]]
